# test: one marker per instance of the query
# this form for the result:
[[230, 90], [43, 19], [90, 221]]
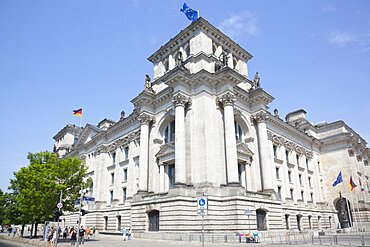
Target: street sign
[[202, 203], [59, 205], [89, 200], [248, 212]]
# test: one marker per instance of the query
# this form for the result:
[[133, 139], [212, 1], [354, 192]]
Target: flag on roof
[[190, 13], [338, 180], [77, 112], [351, 184]]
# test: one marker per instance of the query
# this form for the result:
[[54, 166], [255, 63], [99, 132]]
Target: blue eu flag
[[339, 179], [190, 13]]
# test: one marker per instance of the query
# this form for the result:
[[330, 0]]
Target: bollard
[[362, 240]]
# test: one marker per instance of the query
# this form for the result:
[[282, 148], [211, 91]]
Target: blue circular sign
[[202, 202]]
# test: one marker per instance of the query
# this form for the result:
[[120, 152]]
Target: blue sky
[[56, 56]]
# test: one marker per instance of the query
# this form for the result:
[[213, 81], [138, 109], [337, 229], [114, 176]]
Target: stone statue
[[179, 58], [276, 113], [256, 81], [122, 114], [148, 84], [224, 58]]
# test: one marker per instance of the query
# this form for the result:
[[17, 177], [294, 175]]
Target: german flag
[[351, 184], [77, 112]]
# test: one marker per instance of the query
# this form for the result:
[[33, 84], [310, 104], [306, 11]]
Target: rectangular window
[[111, 196], [171, 175], [124, 194], [311, 196], [297, 158], [287, 156], [290, 176], [279, 191], [275, 150], [307, 164], [309, 182], [113, 158], [300, 179], [291, 194], [302, 195], [277, 173], [240, 172], [126, 152], [125, 175], [112, 178]]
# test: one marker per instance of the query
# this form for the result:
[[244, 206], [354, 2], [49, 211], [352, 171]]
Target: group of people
[[71, 233]]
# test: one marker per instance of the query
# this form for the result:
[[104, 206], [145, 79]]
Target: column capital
[[180, 100], [226, 99], [260, 117], [145, 118]]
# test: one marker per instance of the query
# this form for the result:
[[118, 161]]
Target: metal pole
[[60, 201], [202, 228], [79, 220], [249, 225]]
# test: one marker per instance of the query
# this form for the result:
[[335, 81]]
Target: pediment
[[165, 150], [243, 151], [87, 134]]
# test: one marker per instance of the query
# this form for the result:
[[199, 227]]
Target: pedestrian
[[73, 233], [88, 232], [129, 234], [124, 233], [65, 233], [51, 236], [81, 234]]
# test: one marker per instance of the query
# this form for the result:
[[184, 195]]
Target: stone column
[[265, 162], [145, 120], [161, 178], [227, 100], [179, 102]]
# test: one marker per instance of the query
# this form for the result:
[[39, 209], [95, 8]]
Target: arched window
[[169, 132], [153, 220], [299, 217], [261, 220], [238, 132]]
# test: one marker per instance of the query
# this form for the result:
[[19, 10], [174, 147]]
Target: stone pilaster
[[227, 101], [145, 121], [265, 161], [179, 100]]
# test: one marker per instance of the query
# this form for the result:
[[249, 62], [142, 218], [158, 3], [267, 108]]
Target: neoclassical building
[[203, 125]]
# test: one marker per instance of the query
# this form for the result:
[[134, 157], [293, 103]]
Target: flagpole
[[348, 212], [354, 211], [357, 201], [81, 121]]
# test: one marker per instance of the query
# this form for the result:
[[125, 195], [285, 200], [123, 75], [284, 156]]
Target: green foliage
[[37, 187]]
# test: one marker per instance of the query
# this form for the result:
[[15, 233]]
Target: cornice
[[70, 128], [286, 127]]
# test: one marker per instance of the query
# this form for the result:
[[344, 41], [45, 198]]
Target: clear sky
[[57, 56]]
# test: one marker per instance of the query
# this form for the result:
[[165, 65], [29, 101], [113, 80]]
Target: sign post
[[248, 213], [202, 203], [59, 206]]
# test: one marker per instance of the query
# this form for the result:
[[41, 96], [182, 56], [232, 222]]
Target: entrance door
[[153, 220]]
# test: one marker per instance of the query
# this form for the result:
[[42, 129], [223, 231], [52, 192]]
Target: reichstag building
[[202, 126]]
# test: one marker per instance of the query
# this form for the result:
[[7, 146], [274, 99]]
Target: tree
[[37, 187]]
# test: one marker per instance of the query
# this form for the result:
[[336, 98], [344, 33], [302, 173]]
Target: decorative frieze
[[291, 146], [226, 99], [101, 149], [180, 100]]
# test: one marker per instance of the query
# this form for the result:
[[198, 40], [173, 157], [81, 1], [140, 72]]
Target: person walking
[[73, 234], [81, 234]]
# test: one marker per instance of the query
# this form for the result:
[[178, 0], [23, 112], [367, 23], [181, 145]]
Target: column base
[[234, 184], [180, 185]]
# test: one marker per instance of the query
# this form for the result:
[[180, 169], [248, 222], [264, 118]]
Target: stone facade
[[203, 126]]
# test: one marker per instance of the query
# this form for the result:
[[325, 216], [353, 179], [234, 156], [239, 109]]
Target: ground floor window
[[153, 220], [105, 223], [171, 176], [261, 220], [287, 221], [119, 222], [299, 217]]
